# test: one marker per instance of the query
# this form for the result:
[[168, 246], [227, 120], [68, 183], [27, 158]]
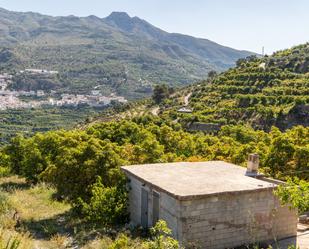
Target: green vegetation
[[78, 171], [84, 166], [12, 243], [161, 92], [81, 169], [261, 92], [30, 82], [161, 238], [32, 218], [296, 193], [97, 52], [30, 121]]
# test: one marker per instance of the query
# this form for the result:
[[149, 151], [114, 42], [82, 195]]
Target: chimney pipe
[[252, 165]]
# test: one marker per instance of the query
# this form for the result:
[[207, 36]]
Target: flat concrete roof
[[193, 180]]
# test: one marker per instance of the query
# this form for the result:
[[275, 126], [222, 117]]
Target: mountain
[[220, 56], [118, 53], [261, 92]]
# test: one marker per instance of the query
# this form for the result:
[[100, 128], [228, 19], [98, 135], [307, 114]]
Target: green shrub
[[161, 237], [295, 193], [107, 205], [122, 242], [5, 171]]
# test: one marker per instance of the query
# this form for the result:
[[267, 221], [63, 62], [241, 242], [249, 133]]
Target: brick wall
[[170, 212], [230, 220], [222, 221]]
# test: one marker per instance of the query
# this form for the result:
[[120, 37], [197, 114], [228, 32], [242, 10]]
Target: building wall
[[222, 221], [135, 191], [170, 212], [230, 220], [169, 207]]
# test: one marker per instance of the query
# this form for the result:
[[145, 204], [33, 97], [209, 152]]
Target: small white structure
[[40, 93], [262, 65], [95, 92], [185, 110]]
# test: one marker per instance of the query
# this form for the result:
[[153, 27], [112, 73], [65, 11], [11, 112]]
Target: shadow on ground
[[286, 243], [78, 231], [12, 186]]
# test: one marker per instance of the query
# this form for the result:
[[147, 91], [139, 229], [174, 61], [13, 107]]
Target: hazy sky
[[242, 24]]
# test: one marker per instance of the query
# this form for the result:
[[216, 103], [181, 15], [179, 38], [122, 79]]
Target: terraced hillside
[[262, 92], [30, 121]]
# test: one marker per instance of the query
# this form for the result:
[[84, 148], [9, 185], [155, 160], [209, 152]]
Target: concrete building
[[209, 204]]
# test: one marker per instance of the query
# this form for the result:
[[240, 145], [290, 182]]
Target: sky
[[241, 24]]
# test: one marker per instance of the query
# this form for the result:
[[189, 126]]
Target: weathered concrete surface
[[228, 221], [189, 180], [212, 205], [169, 207]]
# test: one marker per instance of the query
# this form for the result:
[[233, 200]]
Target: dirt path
[[155, 111], [303, 240], [186, 99]]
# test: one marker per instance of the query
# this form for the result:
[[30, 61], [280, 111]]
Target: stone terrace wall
[[230, 220]]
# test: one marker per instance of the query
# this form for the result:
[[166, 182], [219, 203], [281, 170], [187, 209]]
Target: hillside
[[30, 121], [117, 53], [246, 94], [82, 167], [74, 175], [261, 92]]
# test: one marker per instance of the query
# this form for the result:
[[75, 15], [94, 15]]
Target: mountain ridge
[[119, 53]]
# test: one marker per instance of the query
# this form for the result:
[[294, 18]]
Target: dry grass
[[101, 243], [35, 211], [36, 203], [107, 243], [8, 236], [59, 241], [44, 223]]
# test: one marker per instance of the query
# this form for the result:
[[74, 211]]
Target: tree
[[160, 92], [281, 152], [15, 151], [212, 74], [107, 205], [295, 193], [240, 62]]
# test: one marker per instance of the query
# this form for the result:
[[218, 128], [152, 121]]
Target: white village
[[11, 99]]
